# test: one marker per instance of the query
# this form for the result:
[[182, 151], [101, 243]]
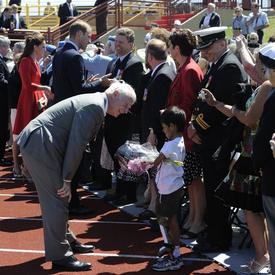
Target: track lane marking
[[74, 221], [95, 254]]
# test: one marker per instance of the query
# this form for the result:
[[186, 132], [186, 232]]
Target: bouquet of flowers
[[136, 158]]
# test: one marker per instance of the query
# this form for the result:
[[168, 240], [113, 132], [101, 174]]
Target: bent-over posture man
[[52, 146]]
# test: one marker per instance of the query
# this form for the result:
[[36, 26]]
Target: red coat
[[27, 107], [184, 91]]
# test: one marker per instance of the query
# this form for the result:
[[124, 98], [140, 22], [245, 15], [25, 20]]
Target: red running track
[[123, 245]]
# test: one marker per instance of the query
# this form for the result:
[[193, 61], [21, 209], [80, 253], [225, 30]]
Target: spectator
[[94, 61], [4, 100], [33, 96], [239, 22], [110, 47], [16, 21], [208, 132], [211, 18], [49, 9], [66, 12], [257, 21], [245, 181], [262, 154], [101, 16], [4, 18], [183, 94]]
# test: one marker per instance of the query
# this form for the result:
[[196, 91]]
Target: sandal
[[16, 174], [254, 267]]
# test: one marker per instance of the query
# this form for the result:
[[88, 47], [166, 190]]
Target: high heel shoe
[[254, 267]]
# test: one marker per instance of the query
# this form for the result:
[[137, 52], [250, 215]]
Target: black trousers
[[101, 22], [4, 127], [219, 230]]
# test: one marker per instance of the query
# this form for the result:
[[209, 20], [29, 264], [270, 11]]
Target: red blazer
[[184, 91], [27, 107]]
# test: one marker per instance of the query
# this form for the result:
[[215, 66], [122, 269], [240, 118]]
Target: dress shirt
[[207, 19]]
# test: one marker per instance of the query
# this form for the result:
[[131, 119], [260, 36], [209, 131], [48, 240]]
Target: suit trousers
[[57, 235], [4, 128], [269, 208], [219, 230]]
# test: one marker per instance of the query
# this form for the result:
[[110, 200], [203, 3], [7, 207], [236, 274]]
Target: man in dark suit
[[129, 68], [68, 81], [211, 18], [52, 146], [101, 16], [66, 12], [208, 130], [4, 18], [15, 21], [4, 100], [154, 95], [262, 154]]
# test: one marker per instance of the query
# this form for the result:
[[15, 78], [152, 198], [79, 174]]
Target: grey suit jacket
[[58, 136]]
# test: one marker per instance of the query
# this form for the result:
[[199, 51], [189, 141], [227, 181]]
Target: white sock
[[176, 252]]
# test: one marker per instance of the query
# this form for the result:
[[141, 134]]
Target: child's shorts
[[168, 205]]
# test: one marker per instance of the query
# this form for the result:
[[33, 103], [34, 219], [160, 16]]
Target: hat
[[267, 55], [112, 38], [207, 37], [61, 43], [50, 48], [177, 23]]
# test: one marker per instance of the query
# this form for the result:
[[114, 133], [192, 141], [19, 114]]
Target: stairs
[[166, 21]]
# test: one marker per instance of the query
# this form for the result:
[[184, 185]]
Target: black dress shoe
[[96, 187], [111, 197], [71, 263], [77, 247], [122, 201], [80, 210], [4, 162]]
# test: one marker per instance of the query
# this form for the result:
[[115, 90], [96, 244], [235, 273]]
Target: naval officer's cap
[[209, 36]]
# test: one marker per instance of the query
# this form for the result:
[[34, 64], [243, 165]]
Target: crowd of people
[[203, 101]]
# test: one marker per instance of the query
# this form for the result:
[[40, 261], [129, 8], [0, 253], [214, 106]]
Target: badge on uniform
[[144, 98]]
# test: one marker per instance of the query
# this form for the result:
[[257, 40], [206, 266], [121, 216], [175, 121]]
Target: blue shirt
[[95, 64], [239, 22]]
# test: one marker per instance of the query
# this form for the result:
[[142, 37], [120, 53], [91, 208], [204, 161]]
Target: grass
[[267, 32]]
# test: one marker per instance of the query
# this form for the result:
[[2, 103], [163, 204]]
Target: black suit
[[118, 130], [64, 13], [22, 24], [4, 106], [4, 23], [210, 125], [68, 81], [215, 20], [68, 74], [101, 16], [153, 99]]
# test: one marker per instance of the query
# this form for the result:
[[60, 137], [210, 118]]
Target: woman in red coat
[[33, 96], [183, 94]]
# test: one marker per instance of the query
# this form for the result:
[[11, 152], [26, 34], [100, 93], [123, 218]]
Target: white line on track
[[102, 255], [91, 197], [73, 221]]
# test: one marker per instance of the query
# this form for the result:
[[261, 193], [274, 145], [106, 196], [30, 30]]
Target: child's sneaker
[[167, 263]]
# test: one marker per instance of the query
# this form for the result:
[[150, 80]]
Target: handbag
[[40, 100]]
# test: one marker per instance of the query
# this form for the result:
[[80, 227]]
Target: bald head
[[157, 49]]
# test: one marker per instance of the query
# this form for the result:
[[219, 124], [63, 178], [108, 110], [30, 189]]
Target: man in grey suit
[[52, 145]]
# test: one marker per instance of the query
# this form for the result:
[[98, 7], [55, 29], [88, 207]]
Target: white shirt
[[157, 67], [207, 19], [71, 8], [169, 176]]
